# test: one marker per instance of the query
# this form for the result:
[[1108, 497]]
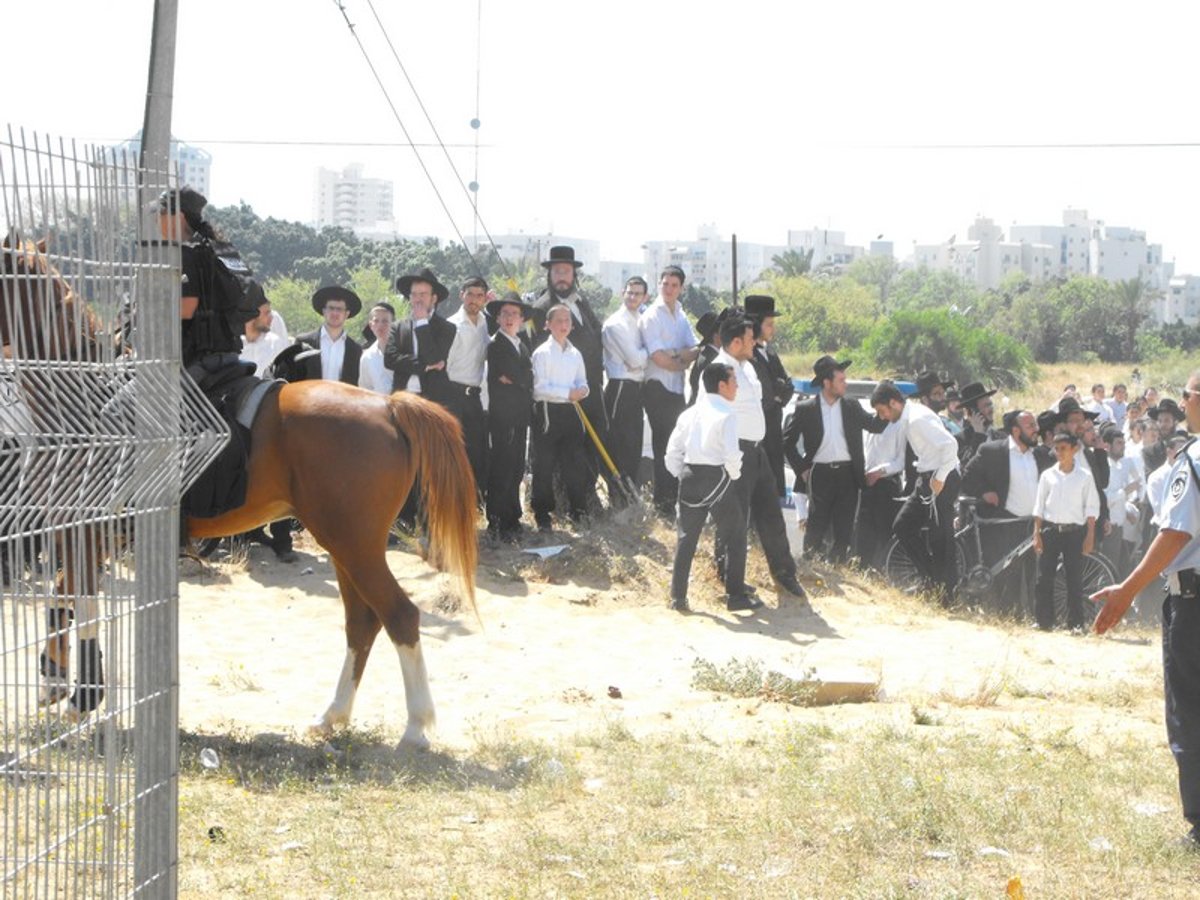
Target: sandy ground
[[262, 644]]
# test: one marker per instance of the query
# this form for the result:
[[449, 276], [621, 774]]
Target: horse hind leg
[[362, 626], [401, 619], [89, 687], [54, 663]]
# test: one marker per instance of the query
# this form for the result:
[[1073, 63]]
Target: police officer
[[1175, 552]]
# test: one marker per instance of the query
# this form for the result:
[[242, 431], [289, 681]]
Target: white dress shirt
[[1067, 498], [468, 353], [884, 452], [372, 374], [705, 435], [625, 353], [333, 354], [1022, 480], [833, 447], [414, 380], [263, 351], [936, 448], [557, 371], [747, 405], [663, 330]]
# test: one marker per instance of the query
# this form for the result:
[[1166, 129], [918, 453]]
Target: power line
[[1109, 145], [396, 114]]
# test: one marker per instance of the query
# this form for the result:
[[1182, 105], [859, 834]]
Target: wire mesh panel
[[99, 434]]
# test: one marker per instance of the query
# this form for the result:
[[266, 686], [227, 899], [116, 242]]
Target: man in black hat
[[562, 287], [510, 405], [777, 385], [708, 326], [1168, 415], [831, 471], [672, 345], [340, 354], [420, 342], [977, 420], [625, 359]]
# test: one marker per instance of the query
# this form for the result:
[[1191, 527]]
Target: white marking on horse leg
[[87, 617], [416, 695], [339, 710]]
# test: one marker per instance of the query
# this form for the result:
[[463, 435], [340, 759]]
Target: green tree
[[926, 288], [792, 263], [292, 297], [821, 313], [877, 273]]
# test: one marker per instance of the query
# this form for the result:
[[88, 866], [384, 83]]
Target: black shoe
[[286, 556], [680, 604], [742, 603], [791, 585]]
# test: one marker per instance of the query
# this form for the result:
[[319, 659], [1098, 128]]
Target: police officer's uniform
[[1181, 629]]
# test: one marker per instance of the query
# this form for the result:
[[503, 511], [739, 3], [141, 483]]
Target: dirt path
[[262, 646]]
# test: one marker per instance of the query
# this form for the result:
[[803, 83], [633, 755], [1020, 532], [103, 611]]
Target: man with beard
[[562, 287], [977, 420], [672, 345], [777, 386], [260, 344], [1003, 477]]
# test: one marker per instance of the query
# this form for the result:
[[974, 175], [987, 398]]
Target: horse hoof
[[87, 698], [414, 739], [319, 730]]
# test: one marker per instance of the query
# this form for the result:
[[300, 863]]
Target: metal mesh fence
[[99, 435]]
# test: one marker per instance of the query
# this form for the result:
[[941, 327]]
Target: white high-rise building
[[707, 261], [829, 248], [1180, 302], [346, 199]]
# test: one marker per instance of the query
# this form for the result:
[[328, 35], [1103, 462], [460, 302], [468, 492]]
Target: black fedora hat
[[827, 365], [1068, 405], [707, 325], [760, 305], [512, 298], [927, 381], [334, 292], [1046, 420], [405, 282], [1167, 405], [562, 254], [972, 392]]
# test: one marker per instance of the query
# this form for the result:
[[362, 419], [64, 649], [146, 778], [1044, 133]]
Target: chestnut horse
[[340, 459]]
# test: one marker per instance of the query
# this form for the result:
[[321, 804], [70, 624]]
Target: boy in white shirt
[[559, 382], [1064, 525]]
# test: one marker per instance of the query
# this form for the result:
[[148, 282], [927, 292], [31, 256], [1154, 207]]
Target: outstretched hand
[[1116, 600]]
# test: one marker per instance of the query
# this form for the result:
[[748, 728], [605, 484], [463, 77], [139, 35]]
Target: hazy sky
[[631, 121]]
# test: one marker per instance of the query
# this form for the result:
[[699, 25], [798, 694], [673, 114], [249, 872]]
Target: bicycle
[[975, 577]]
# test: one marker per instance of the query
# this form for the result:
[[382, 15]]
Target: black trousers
[[468, 409], [832, 503], [1069, 546], [937, 562], [1181, 687], [705, 490], [623, 404], [506, 469], [773, 445], [756, 490], [662, 409], [558, 444], [877, 508], [1010, 588]]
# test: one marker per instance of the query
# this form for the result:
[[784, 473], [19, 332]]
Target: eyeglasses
[[329, 307], [1187, 395]]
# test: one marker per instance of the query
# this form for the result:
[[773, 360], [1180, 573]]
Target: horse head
[[41, 316]]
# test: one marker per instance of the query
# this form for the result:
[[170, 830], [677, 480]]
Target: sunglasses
[[1187, 395]]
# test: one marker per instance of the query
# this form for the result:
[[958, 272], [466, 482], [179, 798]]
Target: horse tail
[[446, 483]]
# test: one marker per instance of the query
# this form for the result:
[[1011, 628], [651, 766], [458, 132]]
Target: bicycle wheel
[[1098, 572], [902, 573]]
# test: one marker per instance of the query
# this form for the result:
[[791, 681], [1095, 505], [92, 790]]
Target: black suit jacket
[[433, 346], [585, 335], [777, 387], [988, 471], [707, 354], [350, 361], [509, 405], [807, 422]]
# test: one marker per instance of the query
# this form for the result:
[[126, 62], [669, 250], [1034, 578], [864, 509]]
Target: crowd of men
[[542, 386]]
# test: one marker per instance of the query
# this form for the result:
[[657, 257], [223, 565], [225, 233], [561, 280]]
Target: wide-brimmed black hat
[[1167, 406], [827, 365], [1068, 405], [186, 199], [760, 305], [927, 381], [512, 298], [707, 325], [334, 292], [1046, 420], [972, 392], [562, 255], [405, 282]]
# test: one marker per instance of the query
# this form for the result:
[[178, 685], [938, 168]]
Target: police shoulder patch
[[1178, 485]]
